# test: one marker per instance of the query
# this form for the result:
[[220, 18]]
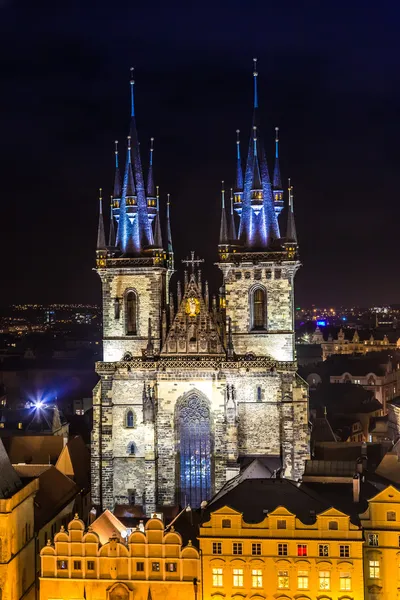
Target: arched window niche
[[194, 445], [258, 308], [129, 419], [132, 450], [131, 313]]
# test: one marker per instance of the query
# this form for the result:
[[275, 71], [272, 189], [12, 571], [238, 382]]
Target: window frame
[[255, 322], [344, 550], [217, 577], [283, 549], [90, 565], [324, 576], [374, 569], [139, 566], [256, 549], [237, 548], [373, 540], [216, 548], [134, 331], [237, 578], [304, 550], [344, 576], [155, 567], [303, 577], [283, 578], [256, 578], [323, 550]]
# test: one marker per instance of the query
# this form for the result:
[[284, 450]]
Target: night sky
[[328, 76]]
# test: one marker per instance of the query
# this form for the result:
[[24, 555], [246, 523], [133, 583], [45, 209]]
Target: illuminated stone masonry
[[193, 387]]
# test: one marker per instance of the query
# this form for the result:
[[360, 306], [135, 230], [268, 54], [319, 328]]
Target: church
[[192, 389]]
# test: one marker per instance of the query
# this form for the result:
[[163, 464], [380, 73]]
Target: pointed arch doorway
[[194, 445]]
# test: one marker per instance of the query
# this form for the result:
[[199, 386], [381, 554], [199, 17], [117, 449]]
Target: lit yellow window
[[345, 582], [374, 570], [217, 578], [283, 580], [324, 580], [256, 578], [237, 577], [302, 580]]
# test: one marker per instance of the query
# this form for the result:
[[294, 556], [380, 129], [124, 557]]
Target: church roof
[[194, 329], [10, 483]]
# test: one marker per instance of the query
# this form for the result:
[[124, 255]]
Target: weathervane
[[193, 261]]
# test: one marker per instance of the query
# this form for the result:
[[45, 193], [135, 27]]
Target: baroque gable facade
[[191, 389]]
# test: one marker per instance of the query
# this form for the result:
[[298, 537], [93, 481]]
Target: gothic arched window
[[194, 449], [258, 309], [131, 448], [131, 311], [129, 419], [259, 394]]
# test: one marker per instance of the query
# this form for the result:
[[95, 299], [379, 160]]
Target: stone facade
[[243, 379]]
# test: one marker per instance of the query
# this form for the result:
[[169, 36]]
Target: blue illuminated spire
[[258, 224], [117, 178], [150, 176], [124, 231], [101, 238], [291, 235], [111, 236], [239, 171], [157, 225], [128, 178], [223, 230], [169, 235], [232, 226], [277, 172], [142, 234]]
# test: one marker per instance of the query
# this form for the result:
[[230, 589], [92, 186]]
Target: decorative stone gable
[[194, 329]]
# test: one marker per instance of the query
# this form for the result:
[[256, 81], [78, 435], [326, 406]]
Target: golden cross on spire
[[193, 261]]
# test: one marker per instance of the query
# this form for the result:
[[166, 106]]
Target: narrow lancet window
[[259, 309], [131, 313]]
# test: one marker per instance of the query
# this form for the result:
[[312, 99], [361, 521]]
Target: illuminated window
[[226, 523], [217, 577], [140, 567], [194, 438], [258, 309], [155, 566], [373, 539], [90, 565], [333, 525], [345, 582], [282, 549], [77, 565], [217, 548], [131, 313], [323, 550], [283, 580], [62, 564], [301, 549], [344, 551], [302, 580], [170, 567], [237, 548], [256, 549], [390, 515], [324, 578], [129, 419], [237, 577], [281, 524], [374, 570], [19, 425], [256, 578]]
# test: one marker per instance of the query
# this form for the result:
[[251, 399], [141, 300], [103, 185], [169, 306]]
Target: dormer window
[[333, 525]]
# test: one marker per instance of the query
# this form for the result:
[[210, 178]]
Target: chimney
[[356, 488]]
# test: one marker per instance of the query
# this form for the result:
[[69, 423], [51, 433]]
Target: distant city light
[[344, 318], [39, 404], [321, 323]]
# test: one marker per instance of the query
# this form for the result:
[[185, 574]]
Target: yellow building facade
[[151, 565], [281, 558], [381, 524], [17, 543]]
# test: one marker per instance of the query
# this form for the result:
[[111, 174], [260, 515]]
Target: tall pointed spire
[[232, 226], [223, 230], [157, 225], [117, 177], [124, 231], [169, 235], [291, 234], [111, 236], [258, 224], [101, 238], [239, 171], [277, 173], [142, 231], [150, 177]]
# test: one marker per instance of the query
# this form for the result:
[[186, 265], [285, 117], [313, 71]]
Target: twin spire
[[256, 200], [134, 205]]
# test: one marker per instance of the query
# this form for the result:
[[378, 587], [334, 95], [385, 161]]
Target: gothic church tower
[[191, 390]]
